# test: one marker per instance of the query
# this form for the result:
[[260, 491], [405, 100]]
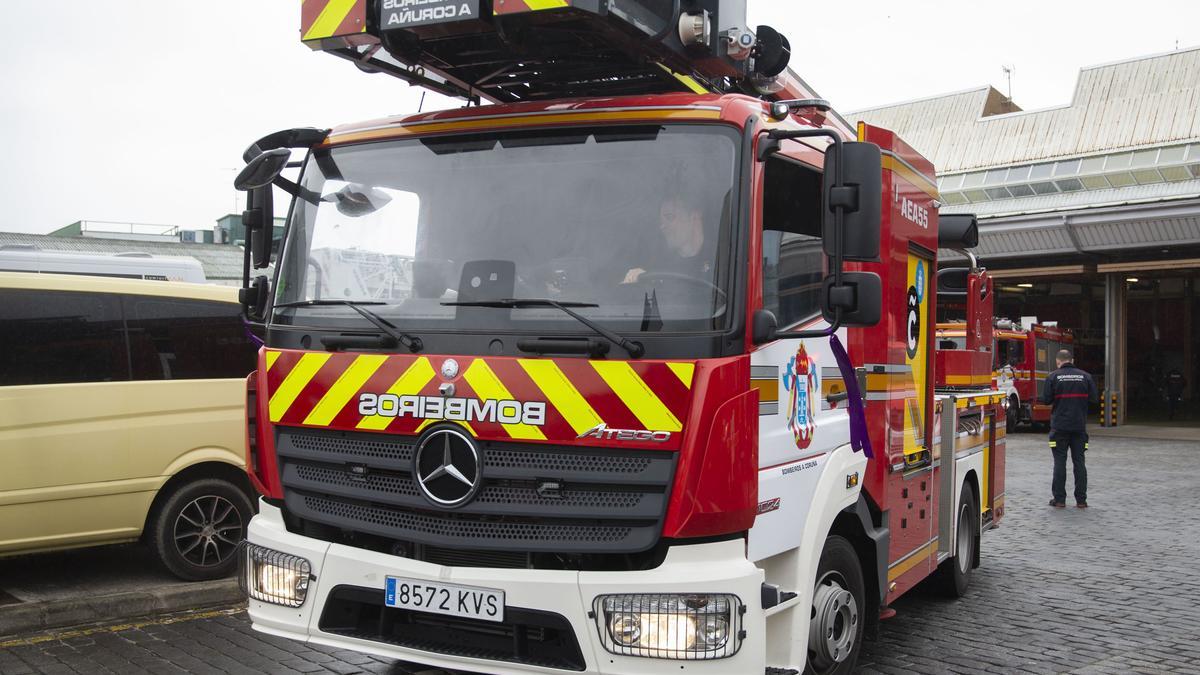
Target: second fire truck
[[1023, 357], [636, 372]]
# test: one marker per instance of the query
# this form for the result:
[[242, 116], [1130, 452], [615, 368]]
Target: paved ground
[[1108, 590], [1175, 432], [96, 584]]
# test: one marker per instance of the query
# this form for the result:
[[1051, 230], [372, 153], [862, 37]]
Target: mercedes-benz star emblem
[[447, 467]]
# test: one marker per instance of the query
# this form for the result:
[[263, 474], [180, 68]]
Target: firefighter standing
[[1069, 390]]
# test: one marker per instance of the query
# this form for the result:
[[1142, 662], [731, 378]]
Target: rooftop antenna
[[1008, 71]]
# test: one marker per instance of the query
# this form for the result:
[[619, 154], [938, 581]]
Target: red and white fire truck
[[1023, 357], [629, 371]]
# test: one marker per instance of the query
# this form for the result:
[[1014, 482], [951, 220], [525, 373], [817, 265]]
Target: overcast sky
[[138, 110]]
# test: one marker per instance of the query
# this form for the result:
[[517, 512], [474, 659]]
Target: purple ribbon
[[258, 342], [860, 440]]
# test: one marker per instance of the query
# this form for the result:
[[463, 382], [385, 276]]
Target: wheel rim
[[207, 530], [966, 539], [833, 624]]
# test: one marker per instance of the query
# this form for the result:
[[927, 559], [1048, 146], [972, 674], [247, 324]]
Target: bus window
[[178, 339], [55, 337]]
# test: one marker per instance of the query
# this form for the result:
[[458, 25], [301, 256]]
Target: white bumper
[[702, 568]]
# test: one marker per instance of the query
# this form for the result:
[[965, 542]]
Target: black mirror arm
[[295, 190], [839, 187]]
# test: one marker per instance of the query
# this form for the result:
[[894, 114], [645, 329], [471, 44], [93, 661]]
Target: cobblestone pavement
[[1110, 589]]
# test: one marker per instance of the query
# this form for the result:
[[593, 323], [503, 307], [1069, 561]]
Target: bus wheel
[[835, 627], [1013, 416], [197, 529], [955, 572]]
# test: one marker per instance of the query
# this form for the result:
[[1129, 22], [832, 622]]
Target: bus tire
[[197, 529], [835, 630], [955, 572]]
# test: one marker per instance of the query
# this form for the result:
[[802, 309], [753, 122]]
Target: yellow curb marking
[[117, 628]]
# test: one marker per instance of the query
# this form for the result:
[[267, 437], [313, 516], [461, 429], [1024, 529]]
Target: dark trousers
[[1076, 442]]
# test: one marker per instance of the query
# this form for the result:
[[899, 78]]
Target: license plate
[[439, 598]]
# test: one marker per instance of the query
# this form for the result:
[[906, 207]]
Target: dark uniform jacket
[[1069, 390]]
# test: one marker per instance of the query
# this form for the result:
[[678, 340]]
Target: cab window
[[793, 259], [1010, 353]]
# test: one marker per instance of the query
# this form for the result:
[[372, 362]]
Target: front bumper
[[719, 567]]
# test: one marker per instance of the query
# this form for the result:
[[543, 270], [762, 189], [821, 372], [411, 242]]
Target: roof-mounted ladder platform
[[533, 50]]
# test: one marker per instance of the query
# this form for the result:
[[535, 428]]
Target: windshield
[[633, 220]]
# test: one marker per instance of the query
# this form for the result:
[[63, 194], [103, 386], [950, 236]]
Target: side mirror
[[259, 220], [763, 326], [859, 198], [254, 298], [952, 283], [263, 169], [859, 297], [958, 231], [852, 188]]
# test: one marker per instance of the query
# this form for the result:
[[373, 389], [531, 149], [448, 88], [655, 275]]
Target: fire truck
[[1023, 357], [654, 389]]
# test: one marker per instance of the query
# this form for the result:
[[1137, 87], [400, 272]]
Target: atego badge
[[409, 13]]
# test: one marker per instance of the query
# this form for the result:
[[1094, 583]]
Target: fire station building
[[1089, 214]]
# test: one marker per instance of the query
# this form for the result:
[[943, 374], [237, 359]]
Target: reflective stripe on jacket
[[1069, 390]]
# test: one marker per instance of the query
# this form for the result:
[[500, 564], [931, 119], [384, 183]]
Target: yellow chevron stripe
[[562, 394], [688, 81], [411, 382], [272, 357], [329, 19], [487, 386], [305, 370], [536, 5], [684, 371], [638, 397], [348, 384]]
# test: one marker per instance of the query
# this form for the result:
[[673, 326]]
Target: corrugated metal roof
[[1143, 102], [222, 264], [1110, 230], [1083, 199]]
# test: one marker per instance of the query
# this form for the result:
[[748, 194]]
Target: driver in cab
[[680, 249]]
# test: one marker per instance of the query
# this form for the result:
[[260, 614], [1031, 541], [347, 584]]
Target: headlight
[[670, 626], [273, 576]]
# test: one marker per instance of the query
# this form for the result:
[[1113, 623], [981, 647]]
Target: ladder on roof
[[536, 50]]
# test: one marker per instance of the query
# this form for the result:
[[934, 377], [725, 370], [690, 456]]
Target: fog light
[[273, 576], [670, 626]]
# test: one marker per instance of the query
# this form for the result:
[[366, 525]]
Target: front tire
[[955, 573], [1012, 417], [837, 617], [196, 530]]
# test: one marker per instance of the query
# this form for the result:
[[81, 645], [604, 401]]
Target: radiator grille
[[533, 498]]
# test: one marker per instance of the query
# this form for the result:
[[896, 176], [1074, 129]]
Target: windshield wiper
[[413, 343], [635, 350]]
